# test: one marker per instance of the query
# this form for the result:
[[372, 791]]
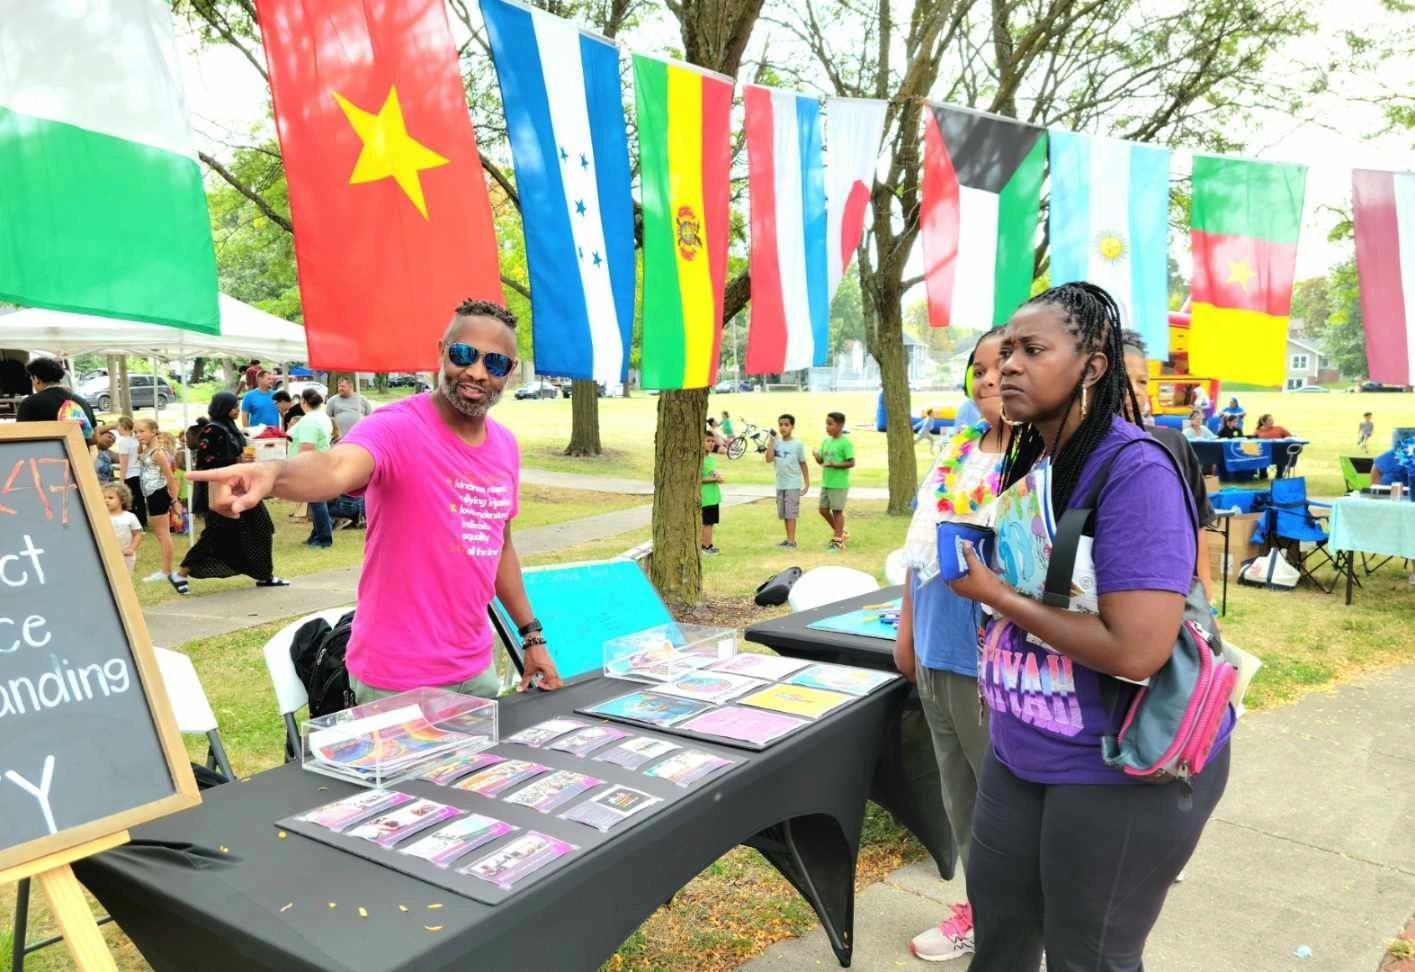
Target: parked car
[[1310, 388], [297, 387], [568, 389], [1375, 386], [142, 388], [537, 389]]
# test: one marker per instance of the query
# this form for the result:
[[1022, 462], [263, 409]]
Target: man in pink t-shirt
[[441, 480]]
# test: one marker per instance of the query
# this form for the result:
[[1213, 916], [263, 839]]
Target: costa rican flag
[[572, 170], [789, 257]]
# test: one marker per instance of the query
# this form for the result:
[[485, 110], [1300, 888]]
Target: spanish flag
[[1245, 222], [684, 165], [392, 222]]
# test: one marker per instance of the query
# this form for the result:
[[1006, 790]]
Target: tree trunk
[[675, 566], [894, 378], [122, 390], [584, 418], [198, 371], [380, 381]]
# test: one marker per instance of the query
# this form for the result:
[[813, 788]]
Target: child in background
[[726, 425], [128, 472], [712, 494], [836, 457], [1365, 430], [787, 455], [119, 500]]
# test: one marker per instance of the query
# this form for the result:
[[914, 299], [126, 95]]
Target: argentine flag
[[572, 173], [1109, 224]]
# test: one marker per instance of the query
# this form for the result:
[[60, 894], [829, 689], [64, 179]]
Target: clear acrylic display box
[[667, 652], [392, 739]]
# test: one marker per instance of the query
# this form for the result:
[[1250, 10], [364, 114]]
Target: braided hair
[[1090, 315]]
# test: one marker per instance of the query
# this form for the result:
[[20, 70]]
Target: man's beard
[[448, 388]]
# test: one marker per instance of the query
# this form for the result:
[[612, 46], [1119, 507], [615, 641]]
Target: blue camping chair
[[1290, 518]]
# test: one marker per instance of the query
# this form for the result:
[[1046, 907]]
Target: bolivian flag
[[1244, 227], [684, 164]]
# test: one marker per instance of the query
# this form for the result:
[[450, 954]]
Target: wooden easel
[[66, 900]]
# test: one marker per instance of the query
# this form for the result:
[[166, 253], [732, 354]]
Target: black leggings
[[1081, 870]]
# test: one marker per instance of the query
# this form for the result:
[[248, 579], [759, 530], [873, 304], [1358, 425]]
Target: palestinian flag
[[101, 203], [684, 166], [1384, 204], [982, 192], [1243, 229]]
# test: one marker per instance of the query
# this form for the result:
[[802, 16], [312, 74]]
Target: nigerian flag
[[100, 189]]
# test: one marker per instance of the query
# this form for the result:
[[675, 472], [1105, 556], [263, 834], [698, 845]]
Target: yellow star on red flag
[[1240, 272], [389, 151]]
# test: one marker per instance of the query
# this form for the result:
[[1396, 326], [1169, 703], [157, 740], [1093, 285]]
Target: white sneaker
[[154, 578], [950, 939]]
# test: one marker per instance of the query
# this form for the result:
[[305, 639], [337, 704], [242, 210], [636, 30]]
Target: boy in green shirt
[[836, 457], [711, 481]]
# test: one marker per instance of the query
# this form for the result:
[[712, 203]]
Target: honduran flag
[[1384, 204], [572, 172], [1109, 223], [786, 183], [979, 209]]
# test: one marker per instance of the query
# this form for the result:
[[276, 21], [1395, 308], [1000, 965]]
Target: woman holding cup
[[937, 645]]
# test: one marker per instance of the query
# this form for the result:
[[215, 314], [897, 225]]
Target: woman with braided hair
[[1070, 855]]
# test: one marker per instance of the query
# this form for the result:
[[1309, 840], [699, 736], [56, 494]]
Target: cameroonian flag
[[1384, 205], [981, 199], [101, 203], [1244, 226], [684, 164]]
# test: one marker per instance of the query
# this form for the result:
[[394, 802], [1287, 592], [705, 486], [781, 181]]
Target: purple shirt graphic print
[[1048, 713]]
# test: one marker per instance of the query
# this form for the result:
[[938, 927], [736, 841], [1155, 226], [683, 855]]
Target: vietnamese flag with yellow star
[[392, 222], [1246, 217]]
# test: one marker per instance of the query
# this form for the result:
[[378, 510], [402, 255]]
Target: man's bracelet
[[528, 627], [532, 642]]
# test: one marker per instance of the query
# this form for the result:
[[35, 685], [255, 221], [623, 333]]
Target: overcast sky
[[226, 95]]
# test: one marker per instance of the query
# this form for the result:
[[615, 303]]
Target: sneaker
[[787, 545], [711, 551], [154, 578], [950, 939]]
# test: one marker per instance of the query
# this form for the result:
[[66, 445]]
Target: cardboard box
[[1240, 544]]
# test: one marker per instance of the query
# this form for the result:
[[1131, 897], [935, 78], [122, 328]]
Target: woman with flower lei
[[937, 644]]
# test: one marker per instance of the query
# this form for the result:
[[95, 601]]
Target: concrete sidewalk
[[1313, 844], [639, 487]]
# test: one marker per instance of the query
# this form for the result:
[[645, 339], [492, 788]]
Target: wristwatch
[[528, 627]]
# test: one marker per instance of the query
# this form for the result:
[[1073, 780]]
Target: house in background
[[1306, 365], [855, 368]]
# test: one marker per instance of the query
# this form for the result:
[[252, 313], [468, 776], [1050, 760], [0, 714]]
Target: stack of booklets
[[383, 747]]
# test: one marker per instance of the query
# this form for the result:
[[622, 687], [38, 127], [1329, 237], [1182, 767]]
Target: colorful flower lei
[[950, 499]]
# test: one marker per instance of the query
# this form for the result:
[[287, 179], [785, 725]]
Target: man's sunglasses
[[464, 356]]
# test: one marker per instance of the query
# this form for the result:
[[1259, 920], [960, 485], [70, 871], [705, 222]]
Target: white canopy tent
[[245, 330]]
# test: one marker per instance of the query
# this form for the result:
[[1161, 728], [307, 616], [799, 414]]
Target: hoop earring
[[1003, 412], [1083, 401]]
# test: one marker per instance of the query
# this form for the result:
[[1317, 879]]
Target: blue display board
[[582, 605], [869, 622]]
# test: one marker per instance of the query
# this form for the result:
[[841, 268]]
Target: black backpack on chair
[[318, 653]]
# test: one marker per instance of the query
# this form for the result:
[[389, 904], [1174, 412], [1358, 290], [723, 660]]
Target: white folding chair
[[826, 585], [191, 707], [895, 569], [290, 694]]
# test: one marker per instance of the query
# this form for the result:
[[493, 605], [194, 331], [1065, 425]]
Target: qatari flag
[[1385, 261]]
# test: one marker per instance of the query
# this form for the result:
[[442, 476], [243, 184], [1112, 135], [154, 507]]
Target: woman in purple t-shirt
[[1069, 854]]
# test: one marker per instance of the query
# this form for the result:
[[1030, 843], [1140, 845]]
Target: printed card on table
[[769, 667], [633, 753], [389, 828], [446, 846], [716, 687], [539, 735], [585, 741], [756, 727], [518, 859], [656, 710], [499, 778], [610, 808], [448, 771], [552, 791], [798, 700], [342, 814], [841, 678], [687, 767]]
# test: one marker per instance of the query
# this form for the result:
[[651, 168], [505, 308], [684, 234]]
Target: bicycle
[[737, 445]]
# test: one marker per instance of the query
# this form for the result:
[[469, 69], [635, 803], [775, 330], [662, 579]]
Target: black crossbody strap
[[1079, 520]]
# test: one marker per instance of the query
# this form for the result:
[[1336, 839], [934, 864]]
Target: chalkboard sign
[[88, 743]]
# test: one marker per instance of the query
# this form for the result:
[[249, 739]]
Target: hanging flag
[[684, 164], [392, 221], [572, 172], [790, 321], [981, 200], [1384, 204], [1109, 224], [101, 203], [1245, 220], [855, 126]]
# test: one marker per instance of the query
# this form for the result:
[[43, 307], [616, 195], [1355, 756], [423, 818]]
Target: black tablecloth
[[906, 781], [186, 903]]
